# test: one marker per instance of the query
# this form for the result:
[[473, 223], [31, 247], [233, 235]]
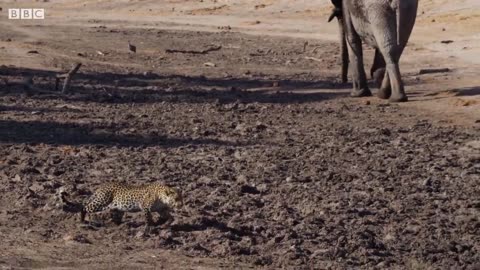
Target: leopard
[[121, 198]]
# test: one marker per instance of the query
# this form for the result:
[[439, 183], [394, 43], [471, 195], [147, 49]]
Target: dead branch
[[316, 48], [68, 77], [305, 44], [313, 59], [211, 49], [433, 70]]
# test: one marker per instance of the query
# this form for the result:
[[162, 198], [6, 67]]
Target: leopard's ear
[[172, 191]]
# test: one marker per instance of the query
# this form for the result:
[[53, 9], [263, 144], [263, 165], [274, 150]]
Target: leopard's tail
[[69, 206]]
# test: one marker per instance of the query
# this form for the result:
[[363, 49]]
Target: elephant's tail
[[406, 13], [399, 23]]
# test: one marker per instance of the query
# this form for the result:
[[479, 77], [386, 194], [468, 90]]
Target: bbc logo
[[26, 13]]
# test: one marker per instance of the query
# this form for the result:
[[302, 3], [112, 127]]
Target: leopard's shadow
[[204, 223]]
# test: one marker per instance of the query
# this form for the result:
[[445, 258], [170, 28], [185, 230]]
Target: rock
[[262, 188], [76, 238], [205, 180], [242, 179], [238, 155], [209, 64], [427, 182], [242, 128], [68, 237], [36, 187], [474, 144], [147, 73], [140, 234], [17, 178]]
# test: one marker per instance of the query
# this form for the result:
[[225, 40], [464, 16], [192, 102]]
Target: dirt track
[[281, 168]]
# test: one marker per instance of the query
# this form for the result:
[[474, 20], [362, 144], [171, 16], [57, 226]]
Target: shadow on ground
[[150, 88], [468, 91], [35, 132]]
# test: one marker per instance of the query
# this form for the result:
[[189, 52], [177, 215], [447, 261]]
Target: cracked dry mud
[[272, 177]]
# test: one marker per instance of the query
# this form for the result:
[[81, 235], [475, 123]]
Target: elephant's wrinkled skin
[[386, 25]]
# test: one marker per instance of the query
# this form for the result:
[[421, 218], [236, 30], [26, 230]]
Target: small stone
[[388, 237], [209, 64], [76, 238], [262, 188], [241, 128], [205, 180], [242, 179], [238, 155], [35, 187], [67, 237], [140, 234], [17, 178]]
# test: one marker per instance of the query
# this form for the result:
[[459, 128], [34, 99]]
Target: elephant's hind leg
[[380, 76], [398, 91], [360, 86], [386, 38]]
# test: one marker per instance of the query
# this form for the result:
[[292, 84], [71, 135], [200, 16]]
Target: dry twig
[[68, 77], [433, 70], [211, 49], [313, 59]]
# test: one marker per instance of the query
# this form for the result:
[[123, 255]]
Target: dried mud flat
[[279, 167]]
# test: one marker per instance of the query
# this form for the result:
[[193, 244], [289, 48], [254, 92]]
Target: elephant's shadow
[[468, 91]]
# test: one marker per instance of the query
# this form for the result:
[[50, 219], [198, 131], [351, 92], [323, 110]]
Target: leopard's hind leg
[[99, 201]]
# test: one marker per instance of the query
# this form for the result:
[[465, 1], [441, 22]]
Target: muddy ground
[[280, 168]]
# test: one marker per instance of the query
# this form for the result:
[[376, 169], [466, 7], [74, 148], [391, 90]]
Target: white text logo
[[26, 13]]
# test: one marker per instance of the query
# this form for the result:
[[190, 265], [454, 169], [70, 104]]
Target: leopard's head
[[174, 197]]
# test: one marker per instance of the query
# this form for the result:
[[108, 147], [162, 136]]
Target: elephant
[[385, 25], [377, 70]]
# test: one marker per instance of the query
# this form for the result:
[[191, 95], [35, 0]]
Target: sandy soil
[[281, 168]]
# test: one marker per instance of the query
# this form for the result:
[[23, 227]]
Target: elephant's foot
[[365, 92], [378, 76], [398, 98], [384, 93]]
